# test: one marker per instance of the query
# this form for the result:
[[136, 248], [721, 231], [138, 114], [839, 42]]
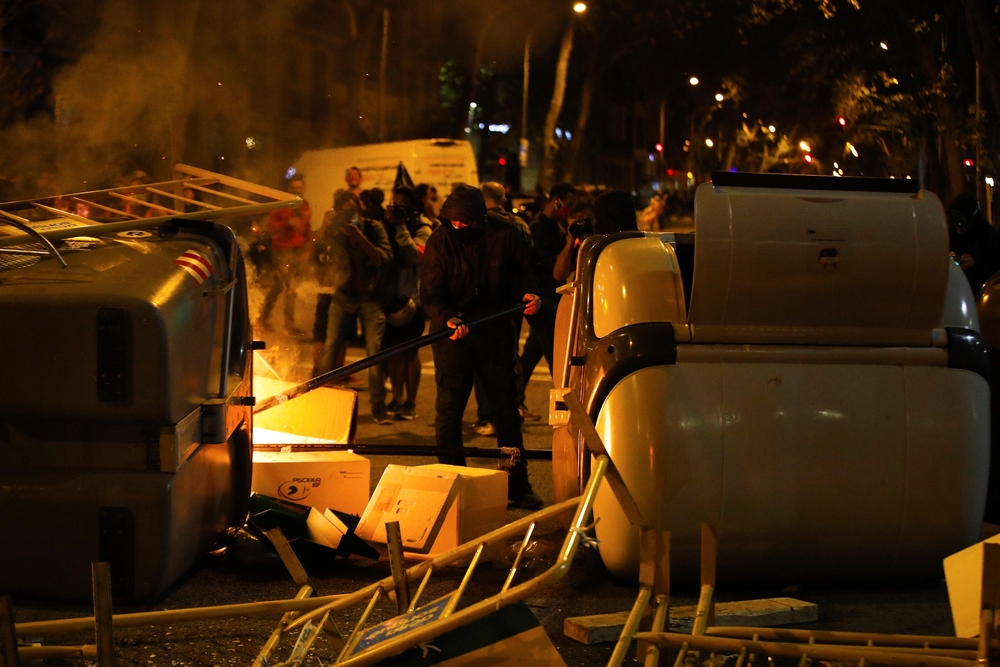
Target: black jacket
[[475, 278]]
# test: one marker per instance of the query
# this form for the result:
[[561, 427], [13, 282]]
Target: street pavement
[[913, 607]]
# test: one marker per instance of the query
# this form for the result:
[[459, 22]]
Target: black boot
[[519, 491]]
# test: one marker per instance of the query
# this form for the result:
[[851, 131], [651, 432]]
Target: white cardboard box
[[480, 506], [963, 572], [438, 507], [335, 480]]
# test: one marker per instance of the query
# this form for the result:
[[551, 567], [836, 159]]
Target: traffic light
[[809, 158], [659, 148], [502, 161], [968, 162], [841, 121]]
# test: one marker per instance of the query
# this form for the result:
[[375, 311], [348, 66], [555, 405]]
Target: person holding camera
[[549, 236], [360, 288], [408, 231]]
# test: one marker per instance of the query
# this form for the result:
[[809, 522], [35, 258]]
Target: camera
[[580, 229]]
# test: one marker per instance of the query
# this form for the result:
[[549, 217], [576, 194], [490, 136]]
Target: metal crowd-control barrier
[[310, 616], [861, 648], [421, 624]]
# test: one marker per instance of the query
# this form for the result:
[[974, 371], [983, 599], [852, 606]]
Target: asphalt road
[[587, 589]]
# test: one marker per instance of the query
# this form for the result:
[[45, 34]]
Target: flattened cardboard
[[329, 413], [334, 480], [963, 572], [417, 498]]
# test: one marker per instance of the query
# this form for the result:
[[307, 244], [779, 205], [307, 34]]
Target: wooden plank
[[106, 208], [147, 204], [581, 421], [654, 560], [101, 575], [288, 556], [211, 207], [709, 555], [394, 540], [219, 193], [8, 634], [764, 613]]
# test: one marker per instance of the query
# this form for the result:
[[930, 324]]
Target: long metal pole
[[377, 358], [416, 450]]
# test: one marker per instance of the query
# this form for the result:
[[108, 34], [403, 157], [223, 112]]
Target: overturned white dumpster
[[805, 373]]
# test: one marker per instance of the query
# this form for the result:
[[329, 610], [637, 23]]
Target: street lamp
[[719, 97], [694, 81], [804, 146], [709, 143], [580, 7]]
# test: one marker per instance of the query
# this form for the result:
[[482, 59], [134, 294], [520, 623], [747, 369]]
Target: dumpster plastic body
[[807, 376], [119, 439]]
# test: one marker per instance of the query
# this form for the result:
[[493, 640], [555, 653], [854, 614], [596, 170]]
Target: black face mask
[[467, 234]]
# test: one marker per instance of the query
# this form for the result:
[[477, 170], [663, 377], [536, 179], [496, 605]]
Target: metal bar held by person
[[377, 358]]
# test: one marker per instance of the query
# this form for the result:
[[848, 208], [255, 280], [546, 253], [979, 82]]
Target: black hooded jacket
[[473, 272]]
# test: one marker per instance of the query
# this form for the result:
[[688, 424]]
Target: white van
[[439, 162]]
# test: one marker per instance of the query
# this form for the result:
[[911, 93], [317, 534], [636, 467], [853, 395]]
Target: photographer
[[408, 231], [360, 290], [580, 227]]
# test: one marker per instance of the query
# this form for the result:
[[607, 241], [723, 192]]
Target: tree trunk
[[586, 96], [985, 45], [547, 176], [951, 161]]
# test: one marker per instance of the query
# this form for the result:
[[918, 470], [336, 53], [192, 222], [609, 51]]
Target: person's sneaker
[[486, 428], [528, 415], [406, 412], [393, 407], [527, 500], [380, 416]]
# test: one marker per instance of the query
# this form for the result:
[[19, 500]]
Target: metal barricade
[[420, 624]]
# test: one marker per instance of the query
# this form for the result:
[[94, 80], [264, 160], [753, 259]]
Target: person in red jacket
[[291, 234]]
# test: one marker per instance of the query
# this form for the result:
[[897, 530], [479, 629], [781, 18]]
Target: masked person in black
[[475, 265]]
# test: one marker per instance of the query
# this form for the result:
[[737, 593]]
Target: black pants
[[540, 343], [490, 355], [484, 412]]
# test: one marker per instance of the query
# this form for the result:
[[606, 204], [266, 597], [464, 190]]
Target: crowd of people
[[408, 264]]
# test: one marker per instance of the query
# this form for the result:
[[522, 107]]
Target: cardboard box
[[335, 480], [480, 507], [329, 413], [415, 497], [438, 506], [963, 572]]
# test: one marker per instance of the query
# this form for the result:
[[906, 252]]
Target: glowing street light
[[771, 128], [580, 7], [719, 97], [804, 146], [850, 147], [885, 47], [694, 81], [709, 143]]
